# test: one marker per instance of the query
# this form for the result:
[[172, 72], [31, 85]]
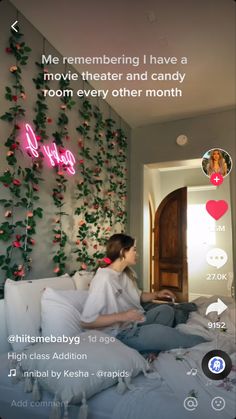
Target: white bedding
[[165, 401], [100, 406], [160, 398]]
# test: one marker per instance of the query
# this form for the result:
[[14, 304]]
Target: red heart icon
[[216, 208]]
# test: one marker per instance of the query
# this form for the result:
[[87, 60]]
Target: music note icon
[[193, 371], [12, 373]]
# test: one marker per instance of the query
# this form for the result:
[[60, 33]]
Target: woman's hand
[[165, 294], [131, 315]]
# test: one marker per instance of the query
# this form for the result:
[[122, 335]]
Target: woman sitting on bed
[[113, 304]]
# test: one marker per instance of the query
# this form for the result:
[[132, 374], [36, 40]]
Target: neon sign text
[[50, 151]]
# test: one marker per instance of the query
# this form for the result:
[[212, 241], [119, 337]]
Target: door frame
[[147, 190]]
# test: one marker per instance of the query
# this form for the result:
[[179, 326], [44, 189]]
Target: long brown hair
[[221, 160], [116, 247]]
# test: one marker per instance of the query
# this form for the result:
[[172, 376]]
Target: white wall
[[151, 189], [156, 144]]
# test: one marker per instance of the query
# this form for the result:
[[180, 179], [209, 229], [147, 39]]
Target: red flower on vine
[[16, 182], [14, 146], [16, 244], [35, 187], [20, 272]]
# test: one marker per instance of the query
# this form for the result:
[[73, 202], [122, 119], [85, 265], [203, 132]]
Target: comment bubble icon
[[216, 257]]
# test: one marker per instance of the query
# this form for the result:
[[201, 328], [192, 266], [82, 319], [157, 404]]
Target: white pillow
[[81, 375], [64, 306], [82, 279], [23, 305]]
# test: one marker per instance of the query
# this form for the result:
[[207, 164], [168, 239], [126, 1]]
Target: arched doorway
[[170, 244]]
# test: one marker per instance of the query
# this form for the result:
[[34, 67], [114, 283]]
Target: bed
[[161, 395]]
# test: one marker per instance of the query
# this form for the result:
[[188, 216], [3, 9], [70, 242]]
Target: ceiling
[[203, 31]]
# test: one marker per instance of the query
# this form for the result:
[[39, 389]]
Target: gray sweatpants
[[156, 333]]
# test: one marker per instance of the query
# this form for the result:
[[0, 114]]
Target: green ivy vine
[[20, 184], [100, 191], [101, 179], [59, 190]]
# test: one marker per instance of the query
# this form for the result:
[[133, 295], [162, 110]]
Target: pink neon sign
[[50, 151]]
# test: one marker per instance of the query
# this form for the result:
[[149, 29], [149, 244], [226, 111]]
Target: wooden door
[[170, 244]]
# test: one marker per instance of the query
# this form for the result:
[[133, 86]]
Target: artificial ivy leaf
[[2, 259], [7, 117], [78, 211]]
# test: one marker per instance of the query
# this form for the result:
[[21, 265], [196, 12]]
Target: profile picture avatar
[[217, 161], [216, 365]]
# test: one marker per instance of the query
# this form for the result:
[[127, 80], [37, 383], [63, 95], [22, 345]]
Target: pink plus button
[[216, 179]]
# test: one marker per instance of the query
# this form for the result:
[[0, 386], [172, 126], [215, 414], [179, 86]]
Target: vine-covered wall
[[51, 220]]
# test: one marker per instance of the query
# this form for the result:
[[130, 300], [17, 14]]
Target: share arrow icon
[[219, 307], [13, 26]]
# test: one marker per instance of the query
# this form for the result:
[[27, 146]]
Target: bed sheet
[[100, 406], [166, 400]]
